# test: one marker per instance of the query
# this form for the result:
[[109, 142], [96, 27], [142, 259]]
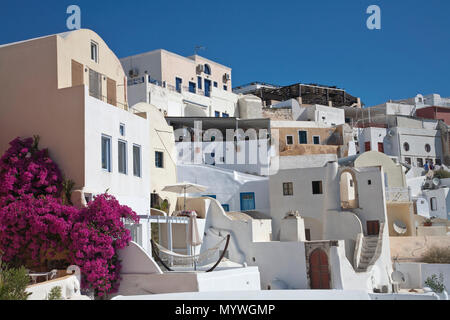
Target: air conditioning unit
[[226, 77], [200, 68], [133, 73]]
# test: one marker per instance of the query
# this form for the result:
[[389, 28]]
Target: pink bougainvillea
[[98, 233], [24, 169], [36, 226]]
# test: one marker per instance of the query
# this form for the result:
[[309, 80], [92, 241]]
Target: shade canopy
[[193, 234], [185, 187]]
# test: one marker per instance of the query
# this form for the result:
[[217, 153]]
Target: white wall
[[227, 185], [101, 118]]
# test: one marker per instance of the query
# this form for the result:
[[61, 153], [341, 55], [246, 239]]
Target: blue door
[[247, 201], [207, 88]]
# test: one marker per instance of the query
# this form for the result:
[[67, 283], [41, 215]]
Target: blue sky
[[280, 42]]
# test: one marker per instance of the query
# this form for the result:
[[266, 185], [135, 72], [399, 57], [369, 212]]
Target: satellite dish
[[398, 277], [400, 227], [436, 182]]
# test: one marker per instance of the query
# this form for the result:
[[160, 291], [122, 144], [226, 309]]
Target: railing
[[135, 81], [398, 194], [108, 101]]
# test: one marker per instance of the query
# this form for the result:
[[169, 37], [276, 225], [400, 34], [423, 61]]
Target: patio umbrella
[[193, 235], [185, 187]]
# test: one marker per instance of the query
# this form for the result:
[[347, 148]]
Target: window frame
[[433, 200], [298, 134], [289, 136], [314, 142], [319, 184], [288, 189], [162, 160], [119, 141], [94, 44], [109, 158], [140, 160], [122, 125]]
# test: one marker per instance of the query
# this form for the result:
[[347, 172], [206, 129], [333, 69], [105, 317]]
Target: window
[[225, 115], [122, 129], [106, 153], [380, 147], [408, 160], [420, 162], [137, 161], [367, 146], [351, 183], [289, 140], [308, 234], [178, 83], [215, 84], [369, 182], [207, 69], [303, 137], [316, 139], [217, 114], [406, 146], [199, 83], [226, 207], [192, 87], [159, 159], [288, 189], [317, 187], [94, 51], [427, 148], [433, 203], [225, 88], [122, 147]]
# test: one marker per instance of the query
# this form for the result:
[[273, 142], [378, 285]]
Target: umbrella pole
[[184, 198]]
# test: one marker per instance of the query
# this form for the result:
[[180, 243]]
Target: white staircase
[[368, 250]]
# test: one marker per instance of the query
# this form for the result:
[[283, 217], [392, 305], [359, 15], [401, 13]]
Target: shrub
[[437, 255], [442, 174], [98, 233], [55, 293], [13, 283], [435, 284], [24, 169]]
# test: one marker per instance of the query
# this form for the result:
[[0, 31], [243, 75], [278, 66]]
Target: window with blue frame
[[159, 159], [225, 88], [302, 137], [207, 69], [192, 87], [178, 83], [217, 114], [199, 83], [215, 84], [225, 115], [248, 201], [226, 207]]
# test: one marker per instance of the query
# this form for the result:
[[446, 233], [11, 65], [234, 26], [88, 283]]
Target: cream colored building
[[70, 89], [181, 86]]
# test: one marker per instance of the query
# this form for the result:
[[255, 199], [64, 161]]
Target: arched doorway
[[348, 190], [318, 270]]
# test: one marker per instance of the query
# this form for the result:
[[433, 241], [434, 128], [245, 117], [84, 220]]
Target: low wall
[[434, 231], [240, 279], [70, 289], [416, 273], [411, 249]]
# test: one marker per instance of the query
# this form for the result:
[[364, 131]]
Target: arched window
[[427, 148], [406, 146], [207, 69]]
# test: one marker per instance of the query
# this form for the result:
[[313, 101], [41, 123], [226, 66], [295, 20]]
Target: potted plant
[[437, 286], [428, 222]]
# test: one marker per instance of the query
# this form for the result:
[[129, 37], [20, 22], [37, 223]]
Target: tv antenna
[[198, 48]]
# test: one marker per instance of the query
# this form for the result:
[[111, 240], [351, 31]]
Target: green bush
[[437, 255], [55, 293], [436, 284], [13, 283]]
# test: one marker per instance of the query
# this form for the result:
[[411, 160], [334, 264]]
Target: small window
[[225, 88], [159, 159], [288, 189], [433, 203], [316, 139], [199, 83], [406, 146], [122, 129], [137, 161], [369, 182], [420, 162], [178, 83], [408, 160], [438, 162], [367, 146], [351, 183], [289, 140], [226, 207], [215, 84], [308, 234], [303, 137], [317, 187], [207, 69], [217, 114], [427, 148], [94, 51], [122, 147], [192, 87], [225, 115], [106, 153]]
